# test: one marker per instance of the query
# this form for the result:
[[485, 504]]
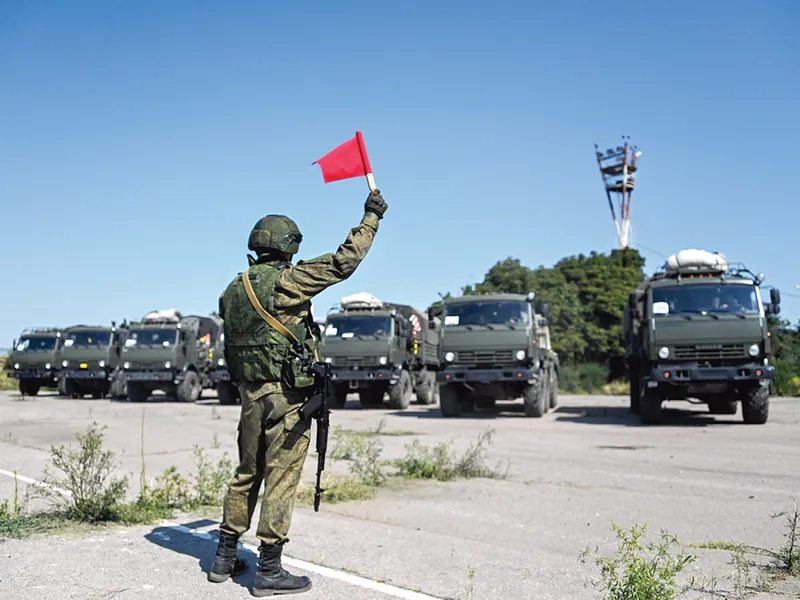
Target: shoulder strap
[[248, 288]]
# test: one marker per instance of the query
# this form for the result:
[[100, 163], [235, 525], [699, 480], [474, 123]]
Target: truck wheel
[[426, 387], [137, 392], [722, 407], [62, 386], [534, 400], [118, 388], [650, 412], [635, 394], [340, 392], [227, 393], [400, 392], [755, 405], [189, 388], [371, 397], [553, 389], [449, 402], [28, 388]]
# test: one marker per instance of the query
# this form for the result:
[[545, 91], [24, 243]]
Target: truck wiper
[[710, 314]]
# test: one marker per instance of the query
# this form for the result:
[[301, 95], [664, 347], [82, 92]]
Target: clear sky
[[140, 141]]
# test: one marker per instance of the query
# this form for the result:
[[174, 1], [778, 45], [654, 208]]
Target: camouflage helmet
[[275, 232]]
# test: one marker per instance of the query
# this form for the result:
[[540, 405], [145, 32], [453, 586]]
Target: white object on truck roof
[[170, 315], [361, 300], [693, 259]]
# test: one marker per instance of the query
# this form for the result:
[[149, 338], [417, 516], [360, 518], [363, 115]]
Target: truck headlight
[[167, 365], [663, 352], [64, 363], [383, 360], [221, 362], [449, 357], [47, 366], [101, 364], [520, 354], [16, 365], [328, 359], [754, 350], [126, 365]]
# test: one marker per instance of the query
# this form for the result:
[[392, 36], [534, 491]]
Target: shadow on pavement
[[621, 415], [203, 549]]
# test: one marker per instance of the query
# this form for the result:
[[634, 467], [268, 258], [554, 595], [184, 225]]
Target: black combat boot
[[226, 564], [271, 579]]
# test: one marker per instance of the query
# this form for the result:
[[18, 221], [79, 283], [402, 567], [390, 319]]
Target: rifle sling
[[277, 325]]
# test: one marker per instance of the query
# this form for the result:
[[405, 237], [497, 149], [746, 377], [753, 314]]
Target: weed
[[7, 383], [442, 464], [215, 441], [336, 489], [470, 591], [787, 558], [643, 572], [363, 451]]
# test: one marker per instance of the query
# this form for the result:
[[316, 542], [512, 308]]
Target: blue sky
[[139, 142]]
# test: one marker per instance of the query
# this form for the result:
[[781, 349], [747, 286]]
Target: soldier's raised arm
[[299, 283]]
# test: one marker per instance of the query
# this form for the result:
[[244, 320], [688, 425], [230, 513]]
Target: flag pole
[[365, 162]]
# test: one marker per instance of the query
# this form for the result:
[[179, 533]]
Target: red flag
[[345, 161]]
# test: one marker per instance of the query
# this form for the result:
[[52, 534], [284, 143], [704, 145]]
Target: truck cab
[[496, 347], [90, 361], [35, 360], [698, 330], [169, 352], [377, 348]]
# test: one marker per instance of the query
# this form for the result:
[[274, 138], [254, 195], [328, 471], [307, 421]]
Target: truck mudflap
[[33, 374], [451, 375], [389, 375], [149, 376], [87, 374], [692, 372]]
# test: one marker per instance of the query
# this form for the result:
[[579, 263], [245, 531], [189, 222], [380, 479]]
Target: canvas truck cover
[[696, 260]]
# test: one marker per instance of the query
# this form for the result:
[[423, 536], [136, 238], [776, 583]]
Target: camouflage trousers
[[273, 444]]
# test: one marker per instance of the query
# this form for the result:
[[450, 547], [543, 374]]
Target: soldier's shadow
[[203, 547]]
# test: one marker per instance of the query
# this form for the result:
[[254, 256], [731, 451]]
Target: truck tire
[[650, 412], [118, 387], [534, 400], [426, 387], [449, 401], [340, 392], [635, 394], [227, 393], [720, 406], [553, 389], [137, 392], [28, 388], [189, 388], [755, 405], [400, 392], [62, 386], [73, 390]]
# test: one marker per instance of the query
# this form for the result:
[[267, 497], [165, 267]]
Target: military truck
[[227, 393], [91, 361], [35, 359], [697, 329], [169, 352], [377, 347], [496, 347]]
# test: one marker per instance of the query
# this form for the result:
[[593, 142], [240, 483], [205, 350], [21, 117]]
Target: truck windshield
[[358, 325], [152, 337], [491, 312], [88, 338], [36, 343], [731, 298]]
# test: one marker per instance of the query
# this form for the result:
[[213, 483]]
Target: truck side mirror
[[14, 345], [775, 297], [545, 310], [431, 313]]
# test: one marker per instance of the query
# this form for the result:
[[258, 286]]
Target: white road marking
[[384, 588], [35, 482], [363, 582]]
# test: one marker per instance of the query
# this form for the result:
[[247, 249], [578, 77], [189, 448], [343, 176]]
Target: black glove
[[375, 204]]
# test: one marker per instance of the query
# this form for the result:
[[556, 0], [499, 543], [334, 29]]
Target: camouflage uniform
[[273, 440]]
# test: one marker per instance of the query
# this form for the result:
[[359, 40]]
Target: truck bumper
[[456, 375], [95, 374], [693, 373], [155, 376], [364, 375], [37, 374]]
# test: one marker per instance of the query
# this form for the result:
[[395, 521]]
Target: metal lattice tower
[[618, 169]]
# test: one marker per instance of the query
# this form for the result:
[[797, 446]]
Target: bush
[[588, 378], [7, 383], [787, 378]]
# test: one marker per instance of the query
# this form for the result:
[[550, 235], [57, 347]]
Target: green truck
[[91, 361], [496, 347], [169, 352], [227, 393], [35, 360], [378, 348], [697, 329]]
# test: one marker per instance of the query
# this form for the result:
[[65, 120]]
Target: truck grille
[[363, 361], [480, 357], [150, 365], [709, 351], [90, 364]]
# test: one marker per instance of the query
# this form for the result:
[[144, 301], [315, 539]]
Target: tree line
[[587, 296]]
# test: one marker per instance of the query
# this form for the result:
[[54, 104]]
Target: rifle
[[316, 407]]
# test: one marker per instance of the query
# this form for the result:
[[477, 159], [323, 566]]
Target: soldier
[[273, 439]]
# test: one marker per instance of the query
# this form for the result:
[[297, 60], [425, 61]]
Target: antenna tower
[[618, 169]]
